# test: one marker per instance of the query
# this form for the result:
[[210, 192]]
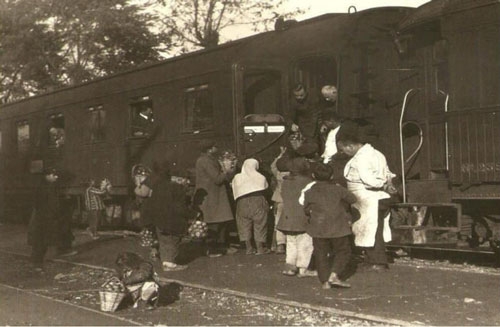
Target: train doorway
[[259, 109]]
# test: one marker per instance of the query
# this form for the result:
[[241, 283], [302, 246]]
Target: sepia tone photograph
[[249, 162]]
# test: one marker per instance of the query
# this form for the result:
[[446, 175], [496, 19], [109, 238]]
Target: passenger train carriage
[[427, 78]]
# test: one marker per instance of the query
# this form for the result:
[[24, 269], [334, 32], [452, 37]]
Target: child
[[370, 180], [279, 238], [251, 206], [94, 204], [293, 222], [329, 224]]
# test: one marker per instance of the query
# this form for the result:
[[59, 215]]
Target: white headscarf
[[249, 180]]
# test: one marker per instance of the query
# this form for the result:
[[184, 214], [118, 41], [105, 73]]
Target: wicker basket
[[110, 300]]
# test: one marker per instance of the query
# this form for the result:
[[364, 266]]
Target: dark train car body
[[429, 75]]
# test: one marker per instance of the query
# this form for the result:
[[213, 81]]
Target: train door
[[259, 109], [425, 83]]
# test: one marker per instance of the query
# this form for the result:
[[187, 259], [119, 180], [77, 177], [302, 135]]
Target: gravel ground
[[189, 306]]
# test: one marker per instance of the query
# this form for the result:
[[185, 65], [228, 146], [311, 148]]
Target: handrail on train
[[403, 108]]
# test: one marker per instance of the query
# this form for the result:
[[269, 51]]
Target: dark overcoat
[[216, 207], [328, 208]]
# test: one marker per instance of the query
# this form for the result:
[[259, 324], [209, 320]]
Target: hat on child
[[204, 145]]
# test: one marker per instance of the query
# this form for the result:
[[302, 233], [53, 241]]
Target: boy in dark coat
[[329, 224], [293, 222], [168, 211]]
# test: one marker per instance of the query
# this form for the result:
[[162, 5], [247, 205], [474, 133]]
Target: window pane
[[97, 123], [262, 93], [316, 72], [56, 130], [141, 117], [23, 136], [198, 114]]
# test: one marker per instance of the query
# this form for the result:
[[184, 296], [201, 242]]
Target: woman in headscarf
[[251, 206]]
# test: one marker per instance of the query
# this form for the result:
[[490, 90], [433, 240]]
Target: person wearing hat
[[45, 225], [216, 208], [299, 246]]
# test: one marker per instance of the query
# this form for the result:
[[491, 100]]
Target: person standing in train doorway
[[216, 209], [307, 114]]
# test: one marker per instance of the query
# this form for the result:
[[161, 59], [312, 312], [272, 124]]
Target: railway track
[[478, 256]]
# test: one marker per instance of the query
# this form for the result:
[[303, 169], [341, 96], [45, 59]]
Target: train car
[[450, 123], [427, 78], [237, 94]]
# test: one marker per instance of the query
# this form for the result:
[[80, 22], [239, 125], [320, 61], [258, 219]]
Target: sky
[[315, 8]]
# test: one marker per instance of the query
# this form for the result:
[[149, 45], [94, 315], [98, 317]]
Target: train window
[[141, 116], [56, 130], [198, 108], [97, 121], [262, 92], [23, 136], [315, 72]]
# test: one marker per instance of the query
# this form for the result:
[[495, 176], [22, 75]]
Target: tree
[[198, 23], [46, 44]]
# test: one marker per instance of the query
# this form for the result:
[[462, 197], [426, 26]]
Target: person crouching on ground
[[299, 247], [167, 209], [251, 206], [370, 180], [327, 206], [138, 276], [95, 205]]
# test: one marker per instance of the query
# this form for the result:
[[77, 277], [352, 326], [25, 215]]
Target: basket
[[110, 300]]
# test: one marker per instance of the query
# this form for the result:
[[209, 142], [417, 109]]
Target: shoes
[[280, 249], [263, 251], [168, 266], [326, 286], [212, 254], [289, 272], [251, 251], [68, 254], [336, 282], [231, 250], [94, 236], [307, 273]]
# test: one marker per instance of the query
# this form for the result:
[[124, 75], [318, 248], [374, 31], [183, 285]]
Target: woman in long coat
[[211, 181]]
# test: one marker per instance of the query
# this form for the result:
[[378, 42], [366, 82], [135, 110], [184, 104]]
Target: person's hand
[[389, 188]]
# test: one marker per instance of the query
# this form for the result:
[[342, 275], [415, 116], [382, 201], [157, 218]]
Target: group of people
[[330, 188]]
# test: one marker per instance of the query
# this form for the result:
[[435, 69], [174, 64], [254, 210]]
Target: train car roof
[[436, 9]]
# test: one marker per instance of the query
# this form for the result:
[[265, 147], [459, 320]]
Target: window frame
[[100, 129], [134, 105], [27, 148], [50, 124], [197, 90]]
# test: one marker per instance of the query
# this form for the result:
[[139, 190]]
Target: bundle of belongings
[[139, 278]]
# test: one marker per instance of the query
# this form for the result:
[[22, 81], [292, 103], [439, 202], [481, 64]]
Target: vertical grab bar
[[403, 177]]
